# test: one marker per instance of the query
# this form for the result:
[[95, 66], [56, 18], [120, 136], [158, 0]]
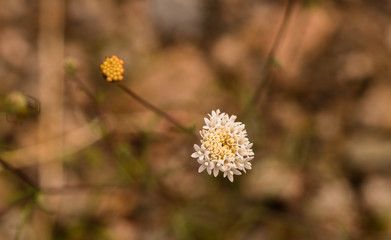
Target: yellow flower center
[[113, 69], [220, 143]]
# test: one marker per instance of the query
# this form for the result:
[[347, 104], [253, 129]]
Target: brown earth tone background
[[110, 169]]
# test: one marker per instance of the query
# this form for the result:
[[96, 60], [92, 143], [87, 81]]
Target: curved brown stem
[[264, 77], [22, 200], [153, 108], [20, 174]]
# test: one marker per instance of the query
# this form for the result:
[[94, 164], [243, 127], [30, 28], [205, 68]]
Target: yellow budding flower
[[113, 69]]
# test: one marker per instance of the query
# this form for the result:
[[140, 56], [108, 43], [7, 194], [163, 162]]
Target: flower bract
[[224, 146]]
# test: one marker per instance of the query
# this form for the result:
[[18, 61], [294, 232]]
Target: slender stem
[[27, 214], [264, 73], [89, 93], [152, 107], [82, 188], [106, 140], [17, 202], [20, 174]]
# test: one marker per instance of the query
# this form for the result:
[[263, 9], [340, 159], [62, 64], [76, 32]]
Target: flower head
[[224, 146], [113, 68]]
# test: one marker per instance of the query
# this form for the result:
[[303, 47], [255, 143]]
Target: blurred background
[[310, 79]]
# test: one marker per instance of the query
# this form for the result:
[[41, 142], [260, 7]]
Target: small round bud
[[70, 66], [16, 103]]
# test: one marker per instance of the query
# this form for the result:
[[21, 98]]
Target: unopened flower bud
[[113, 69]]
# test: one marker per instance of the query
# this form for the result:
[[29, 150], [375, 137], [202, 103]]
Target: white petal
[[207, 121], [216, 172], [209, 171], [242, 151], [212, 123], [242, 140], [195, 155], [200, 161], [196, 147], [201, 169], [231, 177]]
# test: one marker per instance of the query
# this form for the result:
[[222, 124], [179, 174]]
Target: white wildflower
[[224, 146]]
